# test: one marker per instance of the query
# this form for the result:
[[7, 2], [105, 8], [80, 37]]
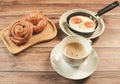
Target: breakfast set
[[74, 57]]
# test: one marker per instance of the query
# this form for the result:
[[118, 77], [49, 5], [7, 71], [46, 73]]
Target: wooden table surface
[[32, 66]]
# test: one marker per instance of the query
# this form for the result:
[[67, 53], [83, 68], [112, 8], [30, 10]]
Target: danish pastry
[[20, 32], [38, 20]]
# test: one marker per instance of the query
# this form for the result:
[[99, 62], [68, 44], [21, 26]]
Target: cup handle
[[90, 41]]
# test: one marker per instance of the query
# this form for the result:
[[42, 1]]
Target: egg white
[[81, 26]]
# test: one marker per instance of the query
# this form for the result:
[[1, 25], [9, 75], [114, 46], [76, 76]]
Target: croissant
[[20, 32], [38, 20]]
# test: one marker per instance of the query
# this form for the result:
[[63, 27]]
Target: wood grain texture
[[38, 59], [54, 2], [54, 78], [32, 66]]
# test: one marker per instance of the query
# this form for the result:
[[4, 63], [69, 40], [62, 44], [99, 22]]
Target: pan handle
[[108, 8]]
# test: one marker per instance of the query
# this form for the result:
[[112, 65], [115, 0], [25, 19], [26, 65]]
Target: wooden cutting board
[[47, 34]]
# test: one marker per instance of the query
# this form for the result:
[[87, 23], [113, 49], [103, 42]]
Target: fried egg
[[82, 23]]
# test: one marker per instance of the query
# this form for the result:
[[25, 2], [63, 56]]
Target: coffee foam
[[74, 50]]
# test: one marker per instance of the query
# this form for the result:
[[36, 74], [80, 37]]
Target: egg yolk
[[89, 24], [76, 20]]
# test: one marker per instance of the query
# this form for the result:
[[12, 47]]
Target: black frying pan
[[93, 17]]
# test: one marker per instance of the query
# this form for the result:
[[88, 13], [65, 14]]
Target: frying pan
[[94, 18]]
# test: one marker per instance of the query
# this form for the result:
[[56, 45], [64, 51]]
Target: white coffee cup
[[75, 49]]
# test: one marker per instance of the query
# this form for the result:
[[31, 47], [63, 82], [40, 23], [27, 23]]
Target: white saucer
[[67, 31], [75, 73]]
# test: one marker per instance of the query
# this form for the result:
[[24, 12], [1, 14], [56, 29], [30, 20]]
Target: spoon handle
[[108, 8]]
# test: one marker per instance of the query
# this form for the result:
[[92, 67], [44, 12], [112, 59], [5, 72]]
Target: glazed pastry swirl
[[20, 32], [38, 20]]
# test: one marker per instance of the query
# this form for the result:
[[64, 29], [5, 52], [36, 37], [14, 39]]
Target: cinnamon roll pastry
[[38, 20], [20, 32]]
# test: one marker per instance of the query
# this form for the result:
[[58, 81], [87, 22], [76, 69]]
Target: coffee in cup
[[75, 49]]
